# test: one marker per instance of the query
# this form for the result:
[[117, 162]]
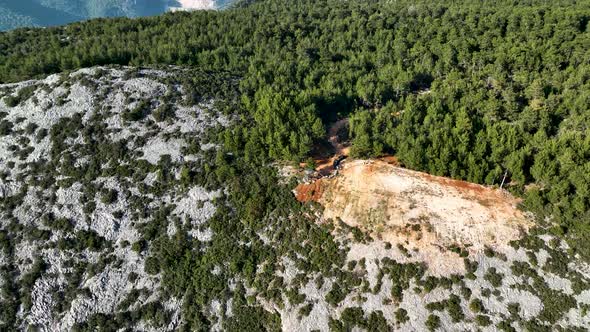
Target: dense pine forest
[[467, 89]]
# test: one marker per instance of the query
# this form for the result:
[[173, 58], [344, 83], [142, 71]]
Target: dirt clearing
[[419, 211]]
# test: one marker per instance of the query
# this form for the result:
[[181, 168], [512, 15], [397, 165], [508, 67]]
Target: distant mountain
[[30, 13]]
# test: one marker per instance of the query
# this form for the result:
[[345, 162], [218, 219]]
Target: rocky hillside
[[123, 204], [93, 167]]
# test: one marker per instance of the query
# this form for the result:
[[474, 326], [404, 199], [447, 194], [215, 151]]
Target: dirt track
[[324, 164]]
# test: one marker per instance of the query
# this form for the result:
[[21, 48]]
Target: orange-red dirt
[[306, 192]]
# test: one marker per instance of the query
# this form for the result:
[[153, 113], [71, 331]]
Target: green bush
[[514, 310], [352, 317], [109, 196], [465, 292], [483, 320], [152, 265], [30, 128], [138, 246], [305, 310], [476, 306], [432, 322], [138, 113], [505, 326], [454, 308], [62, 224], [335, 295], [401, 316], [377, 322], [493, 277], [5, 127], [164, 112], [22, 95]]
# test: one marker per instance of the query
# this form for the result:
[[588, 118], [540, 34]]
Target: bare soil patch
[[423, 212], [306, 192]]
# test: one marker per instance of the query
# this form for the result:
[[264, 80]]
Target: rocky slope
[[81, 155]]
